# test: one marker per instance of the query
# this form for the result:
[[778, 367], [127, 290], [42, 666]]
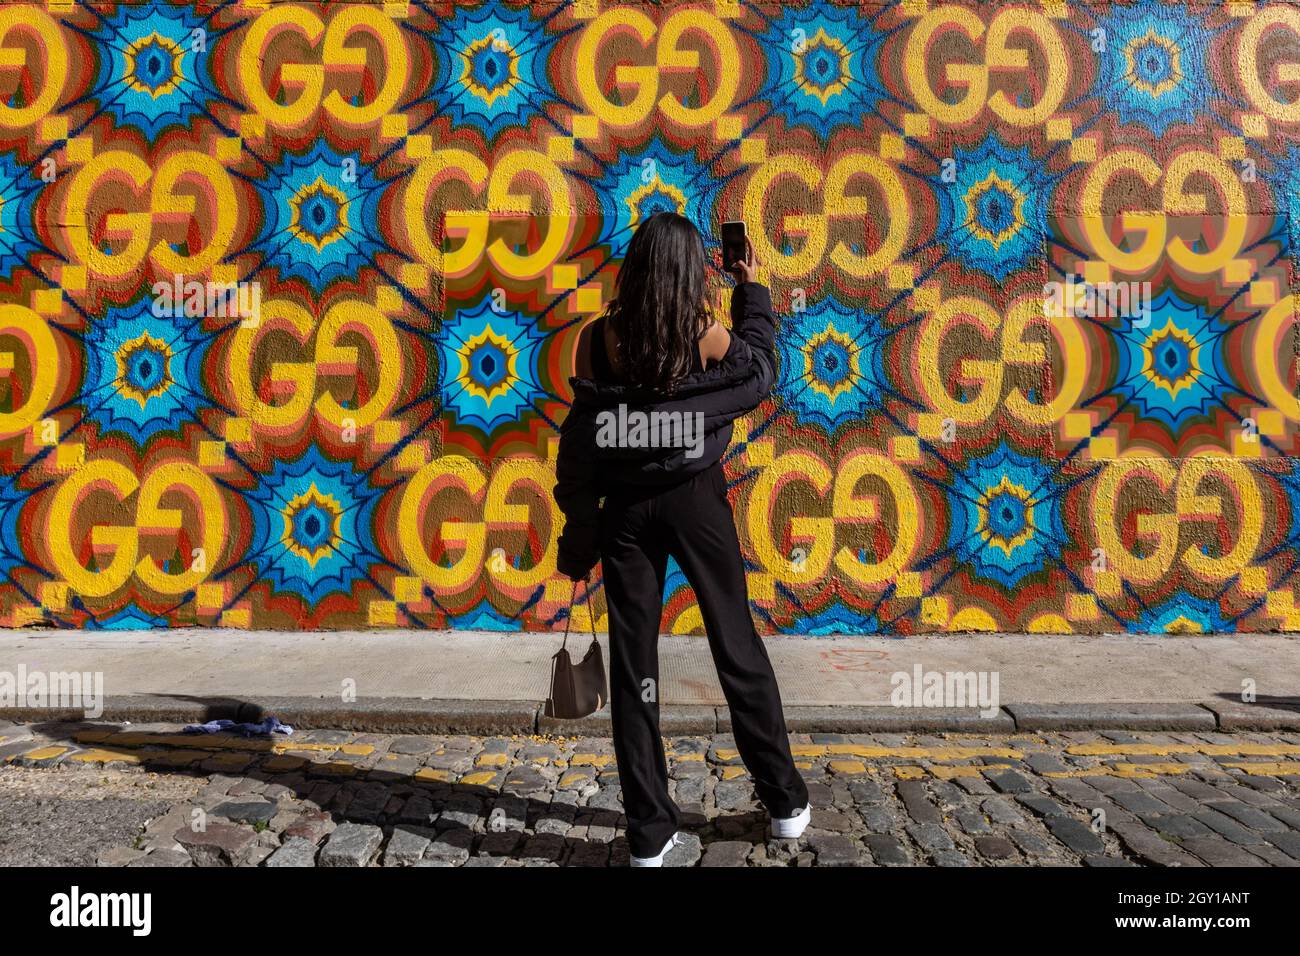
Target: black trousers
[[691, 521]]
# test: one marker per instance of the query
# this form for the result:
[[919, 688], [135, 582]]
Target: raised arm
[[754, 322]]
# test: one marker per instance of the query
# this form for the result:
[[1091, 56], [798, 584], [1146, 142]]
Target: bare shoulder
[[715, 342]]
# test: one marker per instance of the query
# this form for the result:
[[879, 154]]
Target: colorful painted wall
[[289, 294]]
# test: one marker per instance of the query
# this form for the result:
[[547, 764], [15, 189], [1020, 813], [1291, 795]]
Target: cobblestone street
[[331, 798]]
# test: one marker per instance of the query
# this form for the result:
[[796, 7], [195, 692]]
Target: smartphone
[[733, 244]]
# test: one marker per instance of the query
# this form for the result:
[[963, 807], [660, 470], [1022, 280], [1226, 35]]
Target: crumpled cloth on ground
[[271, 725]]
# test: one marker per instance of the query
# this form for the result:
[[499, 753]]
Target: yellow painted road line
[[335, 768], [93, 736], [281, 763], [919, 753], [949, 773], [590, 760], [1135, 770], [1243, 749], [1278, 768], [846, 767], [176, 758], [573, 777], [41, 753], [104, 756], [233, 762]]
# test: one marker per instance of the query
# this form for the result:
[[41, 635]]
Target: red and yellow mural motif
[[289, 293]]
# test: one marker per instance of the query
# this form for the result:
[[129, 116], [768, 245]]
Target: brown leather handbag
[[577, 689]]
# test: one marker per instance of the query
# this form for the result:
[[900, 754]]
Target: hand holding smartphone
[[737, 252]]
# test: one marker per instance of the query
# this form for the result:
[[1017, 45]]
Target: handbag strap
[[568, 618]]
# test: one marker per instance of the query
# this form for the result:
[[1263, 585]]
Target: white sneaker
[[791, 828], [673, 841]]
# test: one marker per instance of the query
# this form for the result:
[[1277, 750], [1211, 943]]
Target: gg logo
[[508, 171], [107, 477], [43, 95], [296, 382], [107, 170], [491, 500], [815, 536], [987, 374], [1176, 199], [1281, 18], [37, 340], [309, 79], [997, 56], [1159, 532], [1271, 335], [838, 204], [669, 58]]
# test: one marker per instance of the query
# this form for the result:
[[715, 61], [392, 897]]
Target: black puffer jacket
[[585, 471]]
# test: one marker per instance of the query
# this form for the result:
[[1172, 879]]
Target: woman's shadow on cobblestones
[[313, 798]]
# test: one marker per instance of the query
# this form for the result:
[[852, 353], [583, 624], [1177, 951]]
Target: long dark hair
[[660, 305]]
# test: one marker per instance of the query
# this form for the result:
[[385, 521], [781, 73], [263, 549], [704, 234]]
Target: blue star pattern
[[312, 526], [144, 372], [1006, 523]]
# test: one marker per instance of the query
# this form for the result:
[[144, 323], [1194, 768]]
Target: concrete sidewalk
[[474, 682]]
